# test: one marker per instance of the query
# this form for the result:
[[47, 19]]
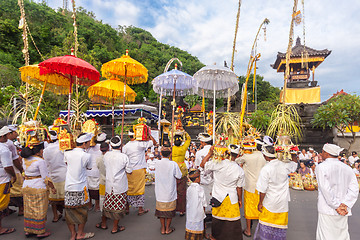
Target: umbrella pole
[[173, 114], [40, 100], [112, 95], [203, 102], [159, 124], [123, 110], [214, 109], [69, 103]]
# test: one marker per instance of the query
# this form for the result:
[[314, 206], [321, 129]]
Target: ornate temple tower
[[301, 86]]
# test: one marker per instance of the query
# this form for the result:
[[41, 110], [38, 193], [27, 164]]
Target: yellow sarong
[[16, 189], [136, 182], [227, 211], [251, 201], [102, 190], [276, 220], [4, 195]]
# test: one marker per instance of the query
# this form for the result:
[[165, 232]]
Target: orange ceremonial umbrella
[[112, 90], [129, 71]]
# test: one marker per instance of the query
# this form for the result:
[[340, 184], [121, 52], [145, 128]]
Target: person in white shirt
[[303, 155], [94, 174], [206, 180], [135, 150], [166, 173], [117, 167], [229, 179], [16, 197], [151, 164], [6, 173], [104, 148], [356, 168], [195, 208], [273, 186], [353, 158], [338, 192], [76, 187], [54, 159], [252, 161]]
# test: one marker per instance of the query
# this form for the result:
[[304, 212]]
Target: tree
[[342, 113]]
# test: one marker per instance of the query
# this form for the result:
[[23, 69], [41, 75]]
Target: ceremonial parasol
[[52, 82], [111, 90], [174, 83], [216, 82], [70, 67], [129, 71]]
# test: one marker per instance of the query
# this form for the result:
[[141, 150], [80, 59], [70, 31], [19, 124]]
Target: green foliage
[[98, 43], [260, 120], [265, 91], [340, 112]]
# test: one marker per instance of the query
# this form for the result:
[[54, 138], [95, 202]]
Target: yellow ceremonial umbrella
[[112, 90], [129, 71], [52, 82]]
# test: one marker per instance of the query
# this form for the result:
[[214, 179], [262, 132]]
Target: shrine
[[301, 86]]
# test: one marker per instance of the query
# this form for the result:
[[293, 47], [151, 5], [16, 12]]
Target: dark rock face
[[312, 137]]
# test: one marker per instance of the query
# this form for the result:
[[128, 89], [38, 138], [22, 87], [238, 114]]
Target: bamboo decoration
[[288, 52], [25, 51], [249, 68], [234, 49]]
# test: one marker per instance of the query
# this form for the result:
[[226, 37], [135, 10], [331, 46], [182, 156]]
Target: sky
[[206, 28]]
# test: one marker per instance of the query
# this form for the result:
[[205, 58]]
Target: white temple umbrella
[[174, 83], [216, 82]]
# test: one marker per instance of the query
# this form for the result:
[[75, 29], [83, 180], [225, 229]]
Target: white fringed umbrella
[[174, 83], [216, 82]]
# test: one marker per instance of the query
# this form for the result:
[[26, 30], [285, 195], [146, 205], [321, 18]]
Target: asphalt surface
[[302, 222]]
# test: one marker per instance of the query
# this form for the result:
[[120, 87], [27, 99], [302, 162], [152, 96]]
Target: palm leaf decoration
[[228, 123], [285, 121]]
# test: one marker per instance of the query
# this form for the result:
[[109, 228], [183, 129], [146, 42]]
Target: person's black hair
[[166, 153], [194, 172], [209, 142], [177, 140], [271, 150], [28, 152], [233, 154], [166, 144], [115, 140], [104, 147], [353, 153]]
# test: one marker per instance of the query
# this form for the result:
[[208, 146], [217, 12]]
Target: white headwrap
[[131, 133], [234, 148], [4, 130], [115, 144], [266, 153], [204, 137], [13, 127], [101, 137], [267, 141], [85, 138], [332, 149], [53, 135]]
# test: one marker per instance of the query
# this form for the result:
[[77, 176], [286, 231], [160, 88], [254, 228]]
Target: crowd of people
[[205, 183]]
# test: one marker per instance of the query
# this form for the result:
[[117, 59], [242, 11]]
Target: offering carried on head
[[141, 130]]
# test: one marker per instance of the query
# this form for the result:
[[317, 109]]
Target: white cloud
[[205, 28]]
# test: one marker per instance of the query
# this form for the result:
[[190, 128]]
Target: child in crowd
[[195, 208]]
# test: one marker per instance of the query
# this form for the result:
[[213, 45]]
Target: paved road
[[302, 222]]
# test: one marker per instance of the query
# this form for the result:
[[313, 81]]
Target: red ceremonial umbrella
[[70, 67]]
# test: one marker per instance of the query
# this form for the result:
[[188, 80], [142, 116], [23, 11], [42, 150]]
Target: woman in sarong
[[178, 156], [35, 191]]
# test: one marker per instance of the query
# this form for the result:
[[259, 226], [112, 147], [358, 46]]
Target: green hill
[[52, 32]]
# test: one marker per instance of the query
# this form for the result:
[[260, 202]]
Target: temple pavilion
[[301, 87]]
